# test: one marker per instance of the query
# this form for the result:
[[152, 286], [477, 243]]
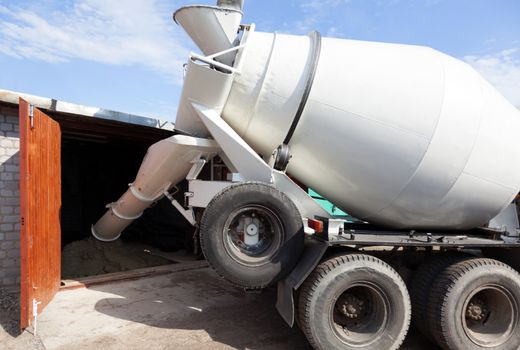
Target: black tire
[[421, 286], [475, 304], [278, 222], [354, 301]]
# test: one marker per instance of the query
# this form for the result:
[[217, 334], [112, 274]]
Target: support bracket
[[187, 213], [238, 152]]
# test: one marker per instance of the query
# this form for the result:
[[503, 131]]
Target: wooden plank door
[[40, 203]]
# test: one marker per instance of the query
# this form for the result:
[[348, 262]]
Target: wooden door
[[40, 203]]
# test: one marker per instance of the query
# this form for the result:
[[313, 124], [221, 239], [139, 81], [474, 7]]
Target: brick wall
[[9, 197]]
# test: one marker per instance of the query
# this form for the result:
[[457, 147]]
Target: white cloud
[[333, 32], [133, 32], [315, 12], [322, 4], [502, 69]]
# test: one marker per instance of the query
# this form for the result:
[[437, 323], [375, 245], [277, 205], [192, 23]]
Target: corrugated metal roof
[[49, 104]]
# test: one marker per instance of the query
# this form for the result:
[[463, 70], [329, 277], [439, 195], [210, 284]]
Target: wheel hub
[[476, 310], [351, 306], [360, 314], [252, 228], [253, 234], [490, 316]]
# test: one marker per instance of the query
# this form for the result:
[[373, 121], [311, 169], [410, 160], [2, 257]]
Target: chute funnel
[[212, 28]]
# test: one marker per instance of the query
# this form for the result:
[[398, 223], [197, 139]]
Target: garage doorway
[[71, 167]]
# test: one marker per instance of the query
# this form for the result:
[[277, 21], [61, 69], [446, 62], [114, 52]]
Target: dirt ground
[[191, 310]]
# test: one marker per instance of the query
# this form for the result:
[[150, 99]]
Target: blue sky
[[128, 55]]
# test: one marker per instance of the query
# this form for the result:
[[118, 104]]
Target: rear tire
[[252, 234], [421, 286], [475, 304], [354, 302]]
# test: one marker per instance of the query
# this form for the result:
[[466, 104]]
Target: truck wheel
[[354, 302], [421, 286], [252, 234], [475, 304]]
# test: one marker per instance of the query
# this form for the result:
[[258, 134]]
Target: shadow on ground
[[202, 302], [10, 312], [229, 316]]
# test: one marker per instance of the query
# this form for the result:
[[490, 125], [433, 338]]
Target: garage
[[71, 165]]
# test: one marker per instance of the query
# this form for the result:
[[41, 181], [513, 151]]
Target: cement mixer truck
[[411, 142]]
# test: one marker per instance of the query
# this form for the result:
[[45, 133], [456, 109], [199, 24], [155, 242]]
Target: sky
[[128, 55]]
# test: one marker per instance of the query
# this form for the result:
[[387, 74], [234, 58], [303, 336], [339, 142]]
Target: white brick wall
[[9, 197]]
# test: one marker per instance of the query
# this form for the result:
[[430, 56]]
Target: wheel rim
[[253, 235], [490, 316], [359, 316]]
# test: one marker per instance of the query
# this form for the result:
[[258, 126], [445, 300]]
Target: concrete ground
[[192, 310]]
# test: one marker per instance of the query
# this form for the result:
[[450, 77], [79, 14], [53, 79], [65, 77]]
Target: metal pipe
[[166, 163]]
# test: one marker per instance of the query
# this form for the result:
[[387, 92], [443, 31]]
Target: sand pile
[[90, 257]]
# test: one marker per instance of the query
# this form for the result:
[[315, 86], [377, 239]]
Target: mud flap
[[311, 256]]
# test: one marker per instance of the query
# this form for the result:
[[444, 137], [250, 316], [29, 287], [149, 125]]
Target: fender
[[311, 256]]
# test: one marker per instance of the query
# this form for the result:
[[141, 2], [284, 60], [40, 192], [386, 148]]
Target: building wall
[[9, 197]]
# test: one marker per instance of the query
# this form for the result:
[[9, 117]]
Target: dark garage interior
[[99, 158]]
